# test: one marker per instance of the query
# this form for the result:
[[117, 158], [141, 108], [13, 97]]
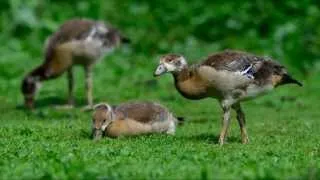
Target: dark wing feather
[[260, 68], [234, 61]]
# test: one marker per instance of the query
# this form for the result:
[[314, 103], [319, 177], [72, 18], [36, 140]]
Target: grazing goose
[[133, 118], [76, 42], [230, 77]]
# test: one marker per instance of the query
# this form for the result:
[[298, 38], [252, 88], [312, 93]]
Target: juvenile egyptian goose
[[133, 118], [230, 77], [76, 42]]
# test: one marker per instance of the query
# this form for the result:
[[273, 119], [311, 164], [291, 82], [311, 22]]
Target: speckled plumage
[[132, 118], [229, 76], [144, 112], [76, 42]]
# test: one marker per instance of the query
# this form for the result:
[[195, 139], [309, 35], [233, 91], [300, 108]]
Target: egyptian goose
[[132, 118], [228, 76], [76, 42]]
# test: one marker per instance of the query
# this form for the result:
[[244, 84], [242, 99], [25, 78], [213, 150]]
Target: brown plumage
[[132, 118], [230, 77], [76, 42]]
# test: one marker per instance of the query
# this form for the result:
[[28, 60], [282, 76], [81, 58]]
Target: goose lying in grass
[[228, 76], [133, 118]]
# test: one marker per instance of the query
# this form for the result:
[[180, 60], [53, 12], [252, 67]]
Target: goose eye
[[177, 63]]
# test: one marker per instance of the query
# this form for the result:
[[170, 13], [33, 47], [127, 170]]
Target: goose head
[[170, 63], [101, 119]]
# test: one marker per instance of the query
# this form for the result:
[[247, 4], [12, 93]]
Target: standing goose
[[76, 42], [228, 76]]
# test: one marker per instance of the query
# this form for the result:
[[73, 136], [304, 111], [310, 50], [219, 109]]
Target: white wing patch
[[101, 28], [91, 34], [248, 72], [94, 44]]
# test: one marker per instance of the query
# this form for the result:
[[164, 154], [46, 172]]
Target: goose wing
[[235, 61], [75, 29], [144, 112]]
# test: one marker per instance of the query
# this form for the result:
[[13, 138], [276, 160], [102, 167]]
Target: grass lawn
[[55, 144]]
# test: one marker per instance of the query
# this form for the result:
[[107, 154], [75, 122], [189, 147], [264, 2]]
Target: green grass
[[55, 144], [48, 143]]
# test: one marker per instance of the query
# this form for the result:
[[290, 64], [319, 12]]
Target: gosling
[[230, 77], [133, 118], [77, 42]]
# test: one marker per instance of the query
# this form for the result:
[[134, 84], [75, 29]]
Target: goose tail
[[287, 79]]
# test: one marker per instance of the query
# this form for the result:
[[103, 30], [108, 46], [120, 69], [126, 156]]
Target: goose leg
[[88, 87], [225, 122], [70, 87], [242, 122], [70, 101]]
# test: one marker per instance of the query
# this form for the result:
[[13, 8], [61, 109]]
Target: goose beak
[[161, 69], [97, 134]]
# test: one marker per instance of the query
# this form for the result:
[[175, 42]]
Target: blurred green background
[[289, 30], [55, 144]]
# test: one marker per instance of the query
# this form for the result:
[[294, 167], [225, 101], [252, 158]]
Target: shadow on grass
[[58, 101], [50, 101], [211, 138], [53, 102], [86, 134], [198, 120], [53, 108], [208, 138]]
